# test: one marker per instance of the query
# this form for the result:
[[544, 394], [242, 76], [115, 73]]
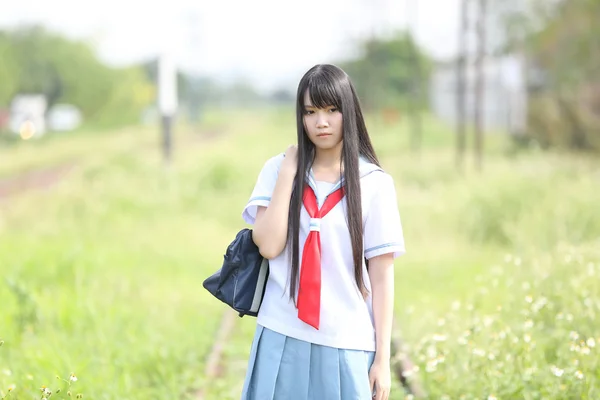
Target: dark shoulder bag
[[241, 281]]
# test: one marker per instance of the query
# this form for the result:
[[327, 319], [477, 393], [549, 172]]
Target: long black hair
[[329, 85]]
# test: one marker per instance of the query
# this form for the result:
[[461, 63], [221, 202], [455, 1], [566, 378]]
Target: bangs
[[322, 93]]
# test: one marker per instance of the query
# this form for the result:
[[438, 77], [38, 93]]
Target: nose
[[322, 121]]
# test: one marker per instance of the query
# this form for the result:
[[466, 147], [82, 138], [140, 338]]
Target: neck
[[329, 158]]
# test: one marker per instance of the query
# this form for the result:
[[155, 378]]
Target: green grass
[[102, 275], [20, 156]]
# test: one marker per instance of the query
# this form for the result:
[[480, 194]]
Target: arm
[[381, 275], [271, 225], [384, 241], [270, 228]]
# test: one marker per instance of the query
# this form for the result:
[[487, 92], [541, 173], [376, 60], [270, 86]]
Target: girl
[[320, 212]]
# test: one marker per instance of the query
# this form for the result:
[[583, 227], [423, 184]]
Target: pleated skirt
[[284, 368]]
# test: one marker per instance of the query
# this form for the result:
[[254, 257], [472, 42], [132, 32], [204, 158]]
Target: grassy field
[[20, 156], [497, 297]]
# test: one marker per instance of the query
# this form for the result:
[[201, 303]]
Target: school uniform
[[290, 359]]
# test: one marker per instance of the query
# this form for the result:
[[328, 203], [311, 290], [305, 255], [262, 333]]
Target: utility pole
[[461, 85], [167, 101], [479, 121], [416, 99]]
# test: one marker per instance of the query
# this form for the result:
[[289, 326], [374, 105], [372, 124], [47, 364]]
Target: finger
[[371, 384]]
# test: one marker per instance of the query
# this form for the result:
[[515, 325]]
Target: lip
[[323, 134]]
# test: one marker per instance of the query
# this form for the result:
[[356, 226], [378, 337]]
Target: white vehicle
[[27, 115], [63, 118]]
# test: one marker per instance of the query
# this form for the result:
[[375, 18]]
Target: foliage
[[536, 341], [35, 60], [386, 72], [562, 42]]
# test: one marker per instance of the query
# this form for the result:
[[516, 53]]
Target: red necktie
[[309, 292]]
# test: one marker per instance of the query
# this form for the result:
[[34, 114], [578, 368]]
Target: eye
[[333, 109], [308, 112]]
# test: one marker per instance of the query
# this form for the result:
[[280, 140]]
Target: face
[[323, 125]]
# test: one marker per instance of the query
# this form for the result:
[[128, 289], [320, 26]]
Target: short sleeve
[[263, 189], [383, 227]]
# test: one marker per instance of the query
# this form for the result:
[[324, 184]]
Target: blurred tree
[[562, 42], [384, 72], [243, 93], [9, 71], [66, 70], [283, 96]]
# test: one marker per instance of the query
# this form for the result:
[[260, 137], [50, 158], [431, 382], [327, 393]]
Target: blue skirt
[[284, 368]]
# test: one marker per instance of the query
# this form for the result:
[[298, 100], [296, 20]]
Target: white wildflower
[[431, 366], [528, 324], [479, 352], [431, 351], [439, 338], [569, 317], [575, 348]]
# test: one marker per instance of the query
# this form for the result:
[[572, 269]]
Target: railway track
[[41, 178]]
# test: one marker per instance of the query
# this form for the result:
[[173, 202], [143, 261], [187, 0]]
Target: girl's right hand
[[290, 160]]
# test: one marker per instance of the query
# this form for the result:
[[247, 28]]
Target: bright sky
[[271, 42]]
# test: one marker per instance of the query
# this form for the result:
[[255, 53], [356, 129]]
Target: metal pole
[[415, 99], [167, 101], [461, 85], [479, 119]]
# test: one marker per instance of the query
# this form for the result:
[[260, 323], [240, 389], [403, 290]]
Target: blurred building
[[505, 93], [505, 73]]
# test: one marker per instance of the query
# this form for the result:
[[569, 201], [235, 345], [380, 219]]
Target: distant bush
[[540, 210]]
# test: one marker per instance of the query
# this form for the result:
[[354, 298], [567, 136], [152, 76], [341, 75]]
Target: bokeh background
[[132, 133]]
